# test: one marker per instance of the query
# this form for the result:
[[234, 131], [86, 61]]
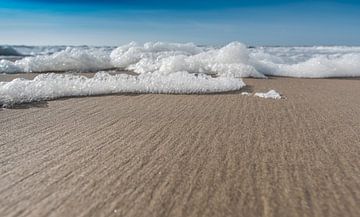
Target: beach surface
[[186, 155]]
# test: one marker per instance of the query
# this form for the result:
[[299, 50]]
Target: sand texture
[[186, 155]]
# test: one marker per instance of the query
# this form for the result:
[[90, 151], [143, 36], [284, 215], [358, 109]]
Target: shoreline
[[186, 155]]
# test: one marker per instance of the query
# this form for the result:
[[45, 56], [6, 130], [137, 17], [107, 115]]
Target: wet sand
[[186, 155]]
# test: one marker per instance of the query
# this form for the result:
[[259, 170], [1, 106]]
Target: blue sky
[[114, 22]]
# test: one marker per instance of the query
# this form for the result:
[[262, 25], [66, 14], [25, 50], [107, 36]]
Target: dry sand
[[186, 155]]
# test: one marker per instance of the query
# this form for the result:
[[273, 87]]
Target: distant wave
[[9, 51]]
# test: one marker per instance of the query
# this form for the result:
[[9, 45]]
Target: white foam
[[245, 93], [324, 66], [52, 86], [234, 59], [271, 94], [127, 55], [9, 67], [231, 60]]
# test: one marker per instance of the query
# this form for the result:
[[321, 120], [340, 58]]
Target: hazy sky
[[113, 22]]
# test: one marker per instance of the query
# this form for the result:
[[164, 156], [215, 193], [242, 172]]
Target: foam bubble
[[271, 94]]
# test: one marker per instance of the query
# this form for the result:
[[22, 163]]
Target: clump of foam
[[9, 67], [324, 66], [52, 86], [127, 55], [245, 93], [271, 94], [231, 60]]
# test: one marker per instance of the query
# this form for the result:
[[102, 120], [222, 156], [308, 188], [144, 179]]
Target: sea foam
[[166, 68], [52, 86], [234, 59], [166, 58], [271, 94]]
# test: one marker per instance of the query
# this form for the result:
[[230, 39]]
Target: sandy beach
[[186, 155]]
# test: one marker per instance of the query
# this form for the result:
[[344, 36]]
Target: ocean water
[[163, 68]]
